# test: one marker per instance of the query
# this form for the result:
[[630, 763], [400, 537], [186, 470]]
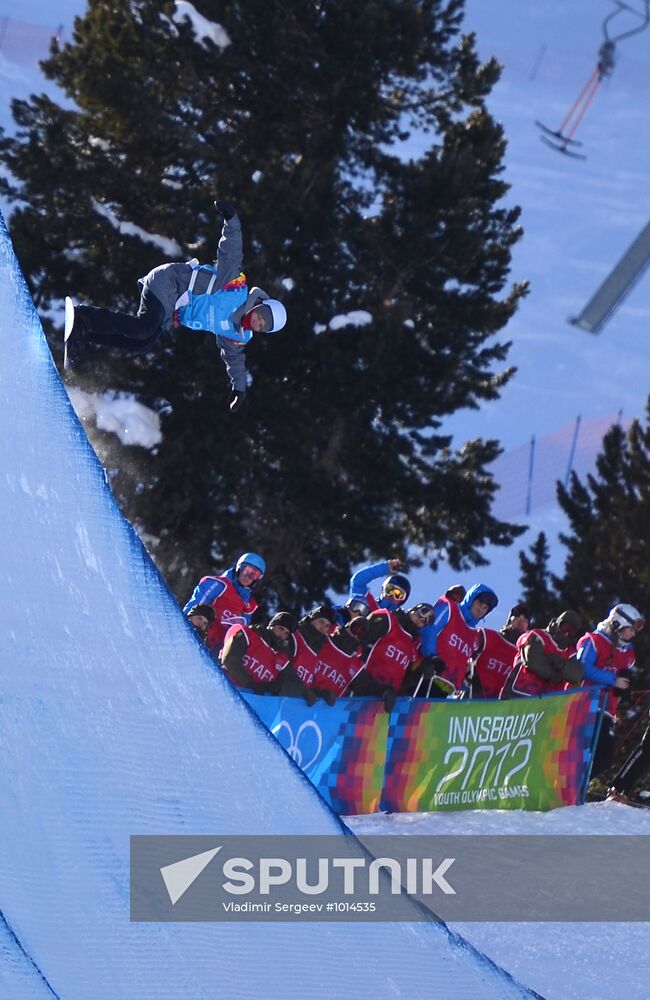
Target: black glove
[[359, 629], [328, 696], [310, 696], [225, 208], [432, 666], [390, 697], [236, 400], [625, 694]]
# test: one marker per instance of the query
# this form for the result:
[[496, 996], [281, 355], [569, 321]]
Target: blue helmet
[[392, 586], [250, 559]]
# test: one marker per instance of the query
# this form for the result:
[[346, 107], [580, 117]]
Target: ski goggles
[[636, 623], [426, 613], [358, 607], [252, 572], [397, 594]]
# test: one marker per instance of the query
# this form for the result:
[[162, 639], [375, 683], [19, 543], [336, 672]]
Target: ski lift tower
[[616, 285]]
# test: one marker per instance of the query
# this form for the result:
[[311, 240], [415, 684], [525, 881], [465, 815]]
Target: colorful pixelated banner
[[341, 749], [531, 753]]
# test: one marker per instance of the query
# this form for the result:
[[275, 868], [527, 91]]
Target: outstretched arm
[[234, 358], [230, 252]]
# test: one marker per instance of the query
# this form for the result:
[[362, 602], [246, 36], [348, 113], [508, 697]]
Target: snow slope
[[114, 721], [563, 961]]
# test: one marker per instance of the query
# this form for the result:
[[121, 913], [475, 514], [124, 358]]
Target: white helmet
[[279, 314], [625, 616]]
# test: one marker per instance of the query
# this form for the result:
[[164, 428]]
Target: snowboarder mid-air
[[210, 297]]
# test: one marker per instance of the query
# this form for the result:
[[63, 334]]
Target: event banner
[[528, 753], [531, 753], [341, 749]]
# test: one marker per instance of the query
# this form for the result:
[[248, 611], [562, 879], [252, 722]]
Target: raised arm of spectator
[[361, 580]]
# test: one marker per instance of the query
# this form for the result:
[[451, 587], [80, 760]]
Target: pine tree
[[608, 517], [535, 582], [607, 560], [340, 455]]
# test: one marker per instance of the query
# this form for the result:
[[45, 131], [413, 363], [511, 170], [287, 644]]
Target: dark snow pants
[[136, 334]]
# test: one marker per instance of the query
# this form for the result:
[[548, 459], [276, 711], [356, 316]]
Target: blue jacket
[[210, 588], [361, 580], [429, 634], [587, 656], [213, 310]]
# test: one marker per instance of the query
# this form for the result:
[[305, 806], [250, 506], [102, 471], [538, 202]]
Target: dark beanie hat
[[324, 611], [569, 623], [519, 609], [206, 610], [284, 619]]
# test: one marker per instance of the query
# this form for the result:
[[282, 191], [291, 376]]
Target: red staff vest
[[455, 644], [335, 669], [608, 657], [262, 663], [304, 659], [493, 664], [392, 654], [524, 681], [229, 609]]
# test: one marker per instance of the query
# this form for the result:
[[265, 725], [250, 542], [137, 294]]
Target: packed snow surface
[[561, 961]]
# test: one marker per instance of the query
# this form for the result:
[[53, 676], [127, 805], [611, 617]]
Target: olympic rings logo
[[295, 749]]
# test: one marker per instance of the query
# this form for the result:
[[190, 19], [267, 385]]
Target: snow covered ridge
[[357, 317], [202, 28], [169, 247]]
